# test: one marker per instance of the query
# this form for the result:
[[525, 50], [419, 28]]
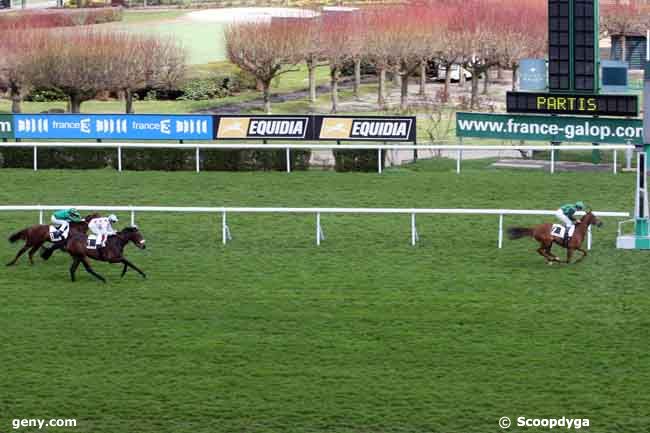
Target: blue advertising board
[[113, 126]]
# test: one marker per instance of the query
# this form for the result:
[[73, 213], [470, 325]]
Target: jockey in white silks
[[103, 228]]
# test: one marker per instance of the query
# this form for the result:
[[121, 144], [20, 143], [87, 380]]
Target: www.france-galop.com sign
[[547, 128]]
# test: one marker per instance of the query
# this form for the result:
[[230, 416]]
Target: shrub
[[357, 160], [50, 18], [46, 95], [205, 88]]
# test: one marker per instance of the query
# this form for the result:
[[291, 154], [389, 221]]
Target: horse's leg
[[73, 268], [569, 253], [584, 254], [33, 251], [124, 270], [542, 251], [128, 263], [84, 260], [20, 253]]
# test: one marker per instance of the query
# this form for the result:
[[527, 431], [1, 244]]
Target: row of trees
[[84, 62], [622, 19], [403, 40]]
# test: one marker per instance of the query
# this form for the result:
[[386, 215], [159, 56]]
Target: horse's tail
[[519, 232], [18, 235]]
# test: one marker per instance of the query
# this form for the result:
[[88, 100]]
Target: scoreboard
[[572, 103], [573, 45]]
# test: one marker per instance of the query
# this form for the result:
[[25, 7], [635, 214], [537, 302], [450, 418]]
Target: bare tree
[[623, 19], [338, 38], [264, 50]]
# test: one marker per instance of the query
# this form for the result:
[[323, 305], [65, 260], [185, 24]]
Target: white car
[[455, 73]]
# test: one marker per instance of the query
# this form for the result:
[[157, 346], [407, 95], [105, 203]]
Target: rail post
[[552, 161], [288, 156], [225, 231], [615, 160], [379, 168], [40, 216], [589, 238], [132, 216], [198, 160], [119, 158], [318, 228], [500, 231], [414, 231], [35, 158], [459, 156]]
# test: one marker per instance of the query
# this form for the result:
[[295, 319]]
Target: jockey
[[103, 228], [61, 219], [565, 214]]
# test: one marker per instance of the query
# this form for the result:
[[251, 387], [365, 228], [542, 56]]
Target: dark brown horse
[[542, 234], [113, 252], [36, 236]]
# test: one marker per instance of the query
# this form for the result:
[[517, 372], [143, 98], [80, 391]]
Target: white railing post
[[198, 160], [317, 228], [40, 216], [552, 161], [500, 231], [459, 157], [132, 217], [589, 238], [615, 158], [119, 158], [35, 158], [414, 232], [379, 161], [288, 155], [628, 156], [225, 231]]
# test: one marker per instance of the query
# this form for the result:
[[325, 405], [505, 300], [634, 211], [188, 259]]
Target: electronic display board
[[567, 103]]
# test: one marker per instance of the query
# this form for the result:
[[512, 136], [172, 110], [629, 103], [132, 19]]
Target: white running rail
[[317, 211], [380, 148]]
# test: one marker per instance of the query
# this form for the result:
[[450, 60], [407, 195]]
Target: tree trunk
[[499, 73], [357, 78], [311, 68], [16, 100], [266, 88], [128, 101], [334, 75], [447, 81], [423, 79], [623, 48], [75, 102], [397, 79], [514, 77], [381, 91], [474, 100], [486, 81], [461, 77], [404, 94]]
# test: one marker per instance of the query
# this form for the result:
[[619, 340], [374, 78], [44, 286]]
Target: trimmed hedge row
[[154, 159], [49, 18]]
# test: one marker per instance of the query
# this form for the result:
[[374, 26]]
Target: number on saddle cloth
[[95, 241], [558, 231], [59, 234]]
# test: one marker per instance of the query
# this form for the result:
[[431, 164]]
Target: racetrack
[[362, 334]]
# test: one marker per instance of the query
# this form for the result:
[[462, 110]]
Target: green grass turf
[[362, 334]]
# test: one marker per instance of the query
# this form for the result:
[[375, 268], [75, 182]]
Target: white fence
[[224, 211], [460, 148]]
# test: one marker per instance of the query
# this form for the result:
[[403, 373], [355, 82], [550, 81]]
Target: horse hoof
[[549, 263]]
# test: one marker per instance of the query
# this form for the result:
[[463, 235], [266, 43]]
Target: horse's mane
[[130, 229]]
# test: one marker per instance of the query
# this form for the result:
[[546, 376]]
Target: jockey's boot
[[100, 252], [566, 236], [47, 252]]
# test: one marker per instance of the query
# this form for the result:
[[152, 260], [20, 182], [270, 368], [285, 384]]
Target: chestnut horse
[[36, 235], [113, 252], [542, 234]]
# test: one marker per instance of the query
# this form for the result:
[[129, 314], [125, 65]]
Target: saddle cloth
[[558, 231], [55, 236], [95, 241]]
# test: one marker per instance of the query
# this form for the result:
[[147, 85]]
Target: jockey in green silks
[[566, 214], [61, 219]]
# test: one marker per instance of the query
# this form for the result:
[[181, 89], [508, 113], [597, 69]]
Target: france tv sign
[[113, 127]]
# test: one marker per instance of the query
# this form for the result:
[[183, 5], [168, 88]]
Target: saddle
[[57, 235], [558, 231], [95, 242]]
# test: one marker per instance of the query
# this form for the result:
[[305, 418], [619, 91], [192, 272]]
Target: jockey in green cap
[[566, 214], [61, 219]]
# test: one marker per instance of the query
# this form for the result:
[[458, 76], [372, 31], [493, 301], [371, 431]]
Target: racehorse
[[542, 234], [36, 235], [76, 246]]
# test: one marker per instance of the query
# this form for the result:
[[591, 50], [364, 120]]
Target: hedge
[[154, 159], [49, 18], [357, 160]]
